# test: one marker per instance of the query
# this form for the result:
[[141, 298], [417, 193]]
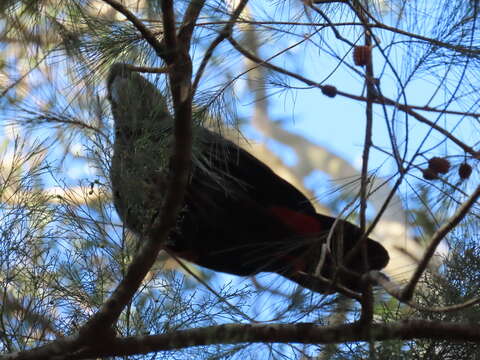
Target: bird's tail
[[331, 255]]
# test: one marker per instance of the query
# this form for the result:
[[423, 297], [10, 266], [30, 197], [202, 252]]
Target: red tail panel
[[302, 224]]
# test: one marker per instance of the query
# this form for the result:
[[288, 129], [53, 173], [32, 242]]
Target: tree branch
[[146, 33], [180, 77], [407, 293], [170, 36], [225, 33], [304, 333], [367, 297], [188, 24]]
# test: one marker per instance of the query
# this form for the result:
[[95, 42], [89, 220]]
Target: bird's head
[[137, 105]]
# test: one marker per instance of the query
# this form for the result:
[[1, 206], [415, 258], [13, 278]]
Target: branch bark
[[304, 333]]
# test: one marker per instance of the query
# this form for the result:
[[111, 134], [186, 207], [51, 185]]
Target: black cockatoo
[[238, 217]]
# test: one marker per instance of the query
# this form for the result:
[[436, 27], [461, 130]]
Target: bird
[[238, 216]]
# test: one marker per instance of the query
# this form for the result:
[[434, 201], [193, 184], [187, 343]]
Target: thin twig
[[21, 78], [212, 290], [328, 244], [395, 290], [224, 33], [146, 33], [437, 237], [331, 24], [306, 280], [146, 69], [378, 100]]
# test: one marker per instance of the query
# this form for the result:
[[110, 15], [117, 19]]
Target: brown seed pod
[[429, 174], [439, 165], [464, 171], [362, 55], [329, 90]]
